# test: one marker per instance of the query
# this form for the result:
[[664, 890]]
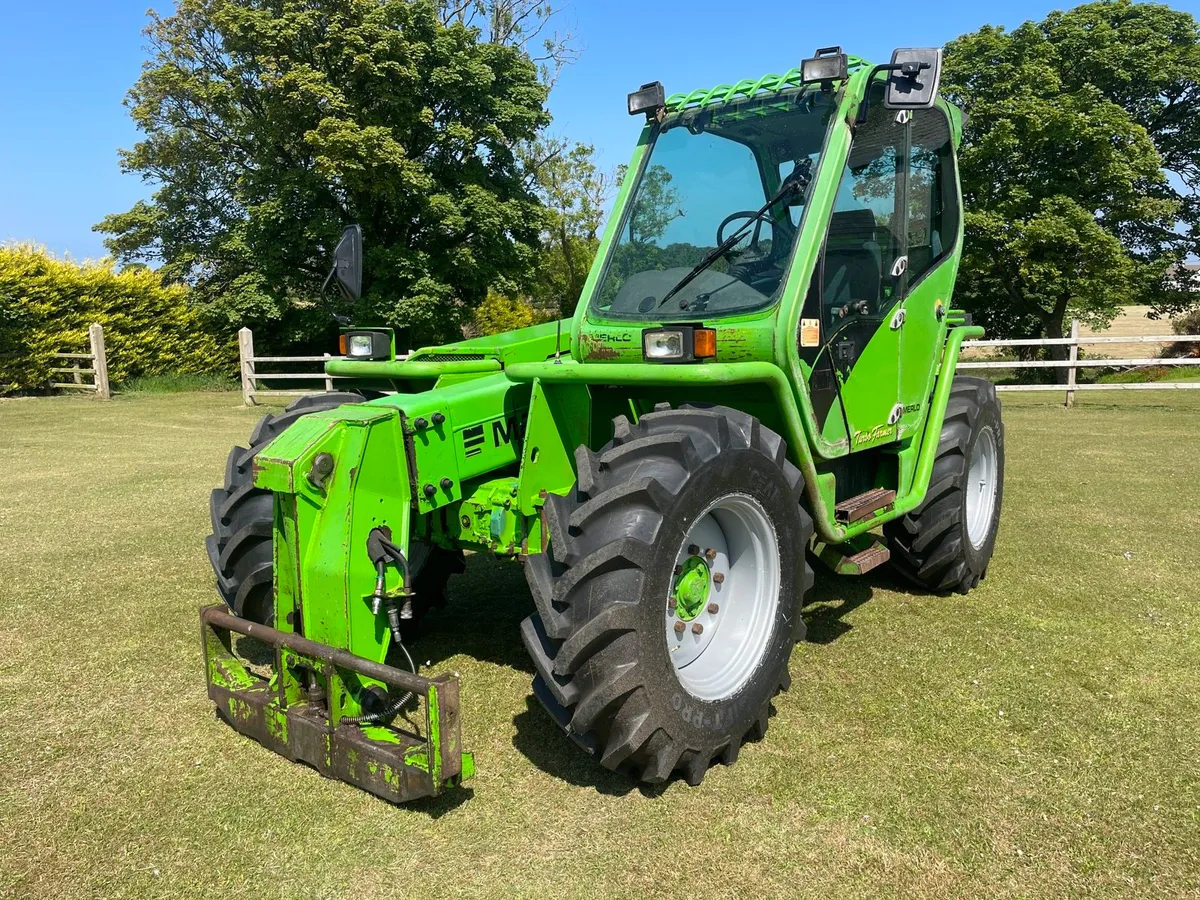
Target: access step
[[871, 558], [855, 509], [855, 557]]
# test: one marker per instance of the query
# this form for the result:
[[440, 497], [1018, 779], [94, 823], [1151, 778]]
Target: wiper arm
[[794, 183]]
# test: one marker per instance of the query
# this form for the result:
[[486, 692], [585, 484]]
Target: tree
[[574, 192], [271, 124], [655, 205], [520, 23], [1073, 124]]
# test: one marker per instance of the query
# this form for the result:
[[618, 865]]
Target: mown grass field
[[1035, 739]]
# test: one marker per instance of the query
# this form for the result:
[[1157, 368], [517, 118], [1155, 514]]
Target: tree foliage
[[47, 304], [574, 191], [656, 205], [271, 124], [527, 24], [500, 313], [1074, 123]]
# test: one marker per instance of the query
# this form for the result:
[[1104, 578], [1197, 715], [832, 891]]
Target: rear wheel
[[669, 600], [239, 546], [946, 544]]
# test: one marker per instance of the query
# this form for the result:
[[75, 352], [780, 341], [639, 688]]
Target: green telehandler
[[760, 372]]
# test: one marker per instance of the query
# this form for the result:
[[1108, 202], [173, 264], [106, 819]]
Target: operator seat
[[853, 262]]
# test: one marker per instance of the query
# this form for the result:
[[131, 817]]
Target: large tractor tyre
[[945, 544], [669, 599], [239, 547]]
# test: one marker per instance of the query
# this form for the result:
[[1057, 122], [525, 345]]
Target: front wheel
[[945, 544], [669, 600]]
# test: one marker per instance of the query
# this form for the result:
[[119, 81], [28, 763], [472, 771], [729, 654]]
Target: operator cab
[[734, 181]]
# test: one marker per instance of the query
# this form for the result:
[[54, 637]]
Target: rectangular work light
[[680, 343], [830, 64], [648, 99], [365, 345]]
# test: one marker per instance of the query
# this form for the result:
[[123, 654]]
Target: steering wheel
[[743, 214]]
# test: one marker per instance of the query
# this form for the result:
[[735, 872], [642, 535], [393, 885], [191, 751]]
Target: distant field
[[1036, 739], [1131, 323]]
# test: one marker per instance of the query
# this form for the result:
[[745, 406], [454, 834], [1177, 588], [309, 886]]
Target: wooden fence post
[[99, 361], [246, 356], [1074, 358], [328, 380]]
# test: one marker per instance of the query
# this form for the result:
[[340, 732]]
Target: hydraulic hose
[[382, 551]]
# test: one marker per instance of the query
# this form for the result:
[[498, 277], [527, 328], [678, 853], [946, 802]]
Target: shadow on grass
[[482, 621], [543, 743], [834, 597], [482, 616]]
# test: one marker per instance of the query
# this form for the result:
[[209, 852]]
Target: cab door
[[932, 234], [848, 334]]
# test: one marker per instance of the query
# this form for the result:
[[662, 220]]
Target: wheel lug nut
[[693, 550], [718, 577], [713, 609], [697, 628], [710, 554], [679, 626], [679, 570]]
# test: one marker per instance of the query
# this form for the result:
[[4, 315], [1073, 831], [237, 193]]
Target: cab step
[[855, 557], [855, 509], [866, 560]]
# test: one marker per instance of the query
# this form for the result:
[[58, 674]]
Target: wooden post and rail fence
[[89, 371], [1073, 363], [251, 375], [96, 370]]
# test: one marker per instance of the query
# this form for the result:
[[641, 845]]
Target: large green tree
[[574, 191], [1080, 165], [271, 124]]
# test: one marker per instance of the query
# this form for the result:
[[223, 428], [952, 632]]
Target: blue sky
[[66, 66]]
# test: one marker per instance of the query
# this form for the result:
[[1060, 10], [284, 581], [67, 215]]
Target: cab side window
[[862, 245], [933, 211]]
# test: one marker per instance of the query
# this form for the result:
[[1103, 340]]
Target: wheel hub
[[692, 586], [723, 598]]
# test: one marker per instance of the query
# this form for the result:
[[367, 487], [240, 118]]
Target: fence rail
[[251, 376], [98, 371], [1073, 363]]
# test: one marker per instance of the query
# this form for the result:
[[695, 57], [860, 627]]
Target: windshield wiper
[[794, 183]]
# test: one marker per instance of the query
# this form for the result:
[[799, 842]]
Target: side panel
[[322, 568]]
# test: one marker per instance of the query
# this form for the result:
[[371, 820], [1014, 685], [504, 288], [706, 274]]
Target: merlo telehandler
[[760, 372]]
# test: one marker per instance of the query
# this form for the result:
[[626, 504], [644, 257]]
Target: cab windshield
[[706, 174]]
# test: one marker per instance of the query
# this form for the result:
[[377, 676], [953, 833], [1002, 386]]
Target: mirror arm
[[907, 69]]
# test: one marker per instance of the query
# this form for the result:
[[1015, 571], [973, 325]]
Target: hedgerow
[[47, 304]]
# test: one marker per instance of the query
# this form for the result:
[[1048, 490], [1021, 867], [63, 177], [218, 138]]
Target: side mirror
[[347, 264], [913, 79]]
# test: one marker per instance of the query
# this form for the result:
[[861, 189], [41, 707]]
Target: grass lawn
[[1035, 739]]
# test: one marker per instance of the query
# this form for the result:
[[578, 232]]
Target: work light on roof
[[830, 64], [648, 99]]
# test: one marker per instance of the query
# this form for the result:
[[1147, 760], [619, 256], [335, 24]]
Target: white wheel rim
[[982, 482], [716, 660]]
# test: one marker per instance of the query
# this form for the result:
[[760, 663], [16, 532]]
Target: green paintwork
[[691, 588], [473, 436], [767, 84]]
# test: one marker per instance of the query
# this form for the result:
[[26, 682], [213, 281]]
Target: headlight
[[662, 344], [683, 343], [366, 345], [360, 345]]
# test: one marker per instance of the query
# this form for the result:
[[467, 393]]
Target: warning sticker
[[810, 332]]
